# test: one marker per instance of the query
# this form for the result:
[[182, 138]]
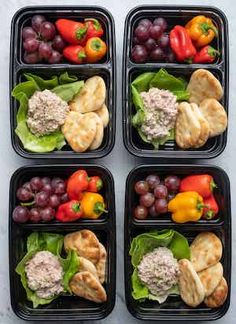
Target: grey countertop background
[[119, 161]]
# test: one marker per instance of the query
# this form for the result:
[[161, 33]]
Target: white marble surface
[[119, 161]]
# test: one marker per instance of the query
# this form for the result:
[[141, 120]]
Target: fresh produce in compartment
[[61, 108], [194, 273], [46, 272], [155, 41], [43, 199], [169, 108]]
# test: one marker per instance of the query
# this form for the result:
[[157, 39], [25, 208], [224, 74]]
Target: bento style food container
[[143, 143], [159, 227], [101, 73], [66, 306]]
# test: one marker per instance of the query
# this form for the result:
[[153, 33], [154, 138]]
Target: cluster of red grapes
[[151, 42], [39, 199], [154, 195], [41, 43]]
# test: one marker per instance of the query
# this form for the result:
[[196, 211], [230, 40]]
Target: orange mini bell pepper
[[201, 30], [95, 49]]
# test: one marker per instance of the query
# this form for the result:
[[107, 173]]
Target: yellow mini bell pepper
[[92, 205], [186, 207], [201, 30]]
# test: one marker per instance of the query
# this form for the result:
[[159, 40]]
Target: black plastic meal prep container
[[174, 15], [65, 307], [106, 69], [174, 308]]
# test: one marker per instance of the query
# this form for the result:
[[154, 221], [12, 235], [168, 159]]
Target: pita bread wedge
[[103, 113], [86, 265], [205, 128], [99, 134], [219, 295], [101, 264], [211, 277]]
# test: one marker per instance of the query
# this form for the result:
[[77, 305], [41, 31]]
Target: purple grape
[[47, 188], [140, 212], [36, 184], [60, 188], [150, 44], [170, 57], [160, 22], [160, 191], [31, 58], [46, 180], [136, 41], [37, 21], [45, 50], [58, 43], [23, 194], [31, 45], [147, 200], [34, 215], [157, 55], [55, 182], [161, 206], [56, 57], [41, 199], [54, 201], [155, 32], [20, 214], [142, 33], [152, 211], [172, 183], [163, 41], [145, 22], [139, 54], [64, 198], [27, 186], [47, 30], [28, 32], [141, 187], [47, 214], [153, 180]]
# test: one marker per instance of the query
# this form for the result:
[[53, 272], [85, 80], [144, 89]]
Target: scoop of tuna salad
[[46, 112], [161, 112], [159, 271], [44, 274]]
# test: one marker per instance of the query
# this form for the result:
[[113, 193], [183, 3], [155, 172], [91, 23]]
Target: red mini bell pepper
[[77, 183], [206, 55], [94, 28], [181, 44], [71, 31], [211, 208], [203, 184], [75, 54], [95, 184], [69, 212]]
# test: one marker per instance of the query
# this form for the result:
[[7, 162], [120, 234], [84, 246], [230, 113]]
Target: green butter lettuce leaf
[[137, 100], [137, 119], [24, 90], [140, 291], [142, 82], [179, 246], [40, 241]]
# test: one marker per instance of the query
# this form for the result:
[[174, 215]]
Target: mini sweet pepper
[[69, 211], [201, 30], [77, 183], [201, 183], [93, 205], [186, 207]]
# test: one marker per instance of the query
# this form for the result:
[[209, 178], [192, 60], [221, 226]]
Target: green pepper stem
[[99, 208]]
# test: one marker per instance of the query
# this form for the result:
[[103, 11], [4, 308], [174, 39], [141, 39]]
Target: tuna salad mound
[[44, 274], [159, 271], [161, 112], [46, 112]]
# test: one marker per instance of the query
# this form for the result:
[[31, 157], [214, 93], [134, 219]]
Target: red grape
[[36, 183], [140, 212], [41, 199], [160, 22], [31, 58], [47, 188], [28, 32], [46, 180], [160, 191], [163, 41], [60, 188], [37, 21], [157, 55], [145, 22], [31, 45], [141, 187], [152, 180], [23, 194], [34, 215], [20, 214], [136, 41], [56, 57], [170, 57], [27, 186], [172, 183], [161, 206], [47, 214], [152, 211], [147, 200], [155, 32], [54, 201], [64, 198], [139, 54], [150, 44], [58, 43], [55, 182], [47, 30], [45, 50], [142, 32]]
